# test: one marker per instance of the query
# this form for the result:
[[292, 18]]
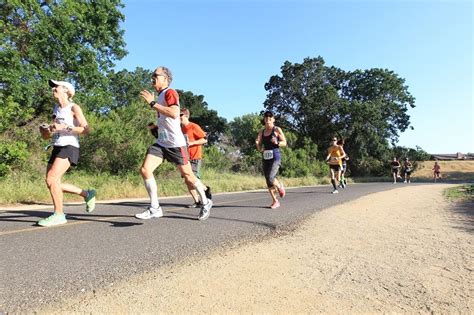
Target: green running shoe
[[54, 219], [90, 200]]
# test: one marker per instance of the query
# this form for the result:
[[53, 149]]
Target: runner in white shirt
[[170, 145], [68, 123]]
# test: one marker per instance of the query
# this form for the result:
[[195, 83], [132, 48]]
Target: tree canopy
[[73, 40], [368, 108]]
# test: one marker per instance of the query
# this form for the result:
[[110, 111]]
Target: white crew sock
[[152, 189]]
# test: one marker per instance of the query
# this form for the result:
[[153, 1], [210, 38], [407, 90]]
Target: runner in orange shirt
[[195, 138], [334, 158]]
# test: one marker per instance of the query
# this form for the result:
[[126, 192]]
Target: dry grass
[[450, 170], [23, 189]]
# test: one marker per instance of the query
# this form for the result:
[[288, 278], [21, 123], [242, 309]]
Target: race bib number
[[268, 154], [55, 137], [162, 135]]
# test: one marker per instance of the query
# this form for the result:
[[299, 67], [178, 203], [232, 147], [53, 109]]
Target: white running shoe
[[205, 210], [150, 213], [335, 191]]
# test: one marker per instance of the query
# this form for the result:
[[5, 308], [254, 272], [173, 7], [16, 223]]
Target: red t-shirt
[[193, 132]]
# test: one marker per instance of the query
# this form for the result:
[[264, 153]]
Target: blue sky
[[227, 51]]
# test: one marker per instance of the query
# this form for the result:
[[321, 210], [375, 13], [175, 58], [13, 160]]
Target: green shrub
[[215, 158], [118, 141], [13, 156]]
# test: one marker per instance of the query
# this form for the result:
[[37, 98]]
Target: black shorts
[[395, 170], [337, 167], [67, 152], [177, 156], [196, 167]]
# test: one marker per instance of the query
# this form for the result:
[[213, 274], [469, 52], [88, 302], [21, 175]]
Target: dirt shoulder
[[400, 251]]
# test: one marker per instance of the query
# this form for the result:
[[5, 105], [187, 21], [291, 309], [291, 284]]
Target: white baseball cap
[[67, 85]]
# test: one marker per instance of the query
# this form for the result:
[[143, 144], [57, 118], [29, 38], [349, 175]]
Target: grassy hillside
[[450, 170]]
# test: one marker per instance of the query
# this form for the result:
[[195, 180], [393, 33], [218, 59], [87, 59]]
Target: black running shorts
[[67, 152], [337, 167], [177, 156]]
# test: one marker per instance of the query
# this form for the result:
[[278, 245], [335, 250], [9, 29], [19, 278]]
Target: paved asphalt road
[[41, 265]]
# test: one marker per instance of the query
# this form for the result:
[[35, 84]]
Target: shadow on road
[[139, 204], [271, 226], [24, 216], [464, 215], [180, 216], [238, 206]]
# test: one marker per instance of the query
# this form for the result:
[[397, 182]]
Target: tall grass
[[25, 189]]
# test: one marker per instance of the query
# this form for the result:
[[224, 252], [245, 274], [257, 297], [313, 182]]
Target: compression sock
[[200, 190], [152, 189], [333, 182]]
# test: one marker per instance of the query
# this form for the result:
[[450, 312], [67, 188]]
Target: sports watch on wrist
[[152, 103]]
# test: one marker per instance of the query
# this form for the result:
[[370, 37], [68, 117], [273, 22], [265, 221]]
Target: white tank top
[[64, 115], [169, 129]]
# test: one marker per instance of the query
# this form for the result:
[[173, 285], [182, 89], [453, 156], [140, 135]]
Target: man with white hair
[[170, 145]]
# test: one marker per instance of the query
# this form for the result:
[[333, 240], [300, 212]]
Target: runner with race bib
[[170, 145], [269, 141]]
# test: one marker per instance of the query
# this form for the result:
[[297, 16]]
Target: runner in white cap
[[68, 123]]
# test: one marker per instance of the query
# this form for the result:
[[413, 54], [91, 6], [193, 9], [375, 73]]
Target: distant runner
[[343, 181], [195, 138], [170, 145], [68, 123], [395, 170], [268, 142], [436, 171], [334, 158], [407, 169]]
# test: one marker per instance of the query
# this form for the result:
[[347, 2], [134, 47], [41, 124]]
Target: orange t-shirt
[[193, 132], [335, 152]]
